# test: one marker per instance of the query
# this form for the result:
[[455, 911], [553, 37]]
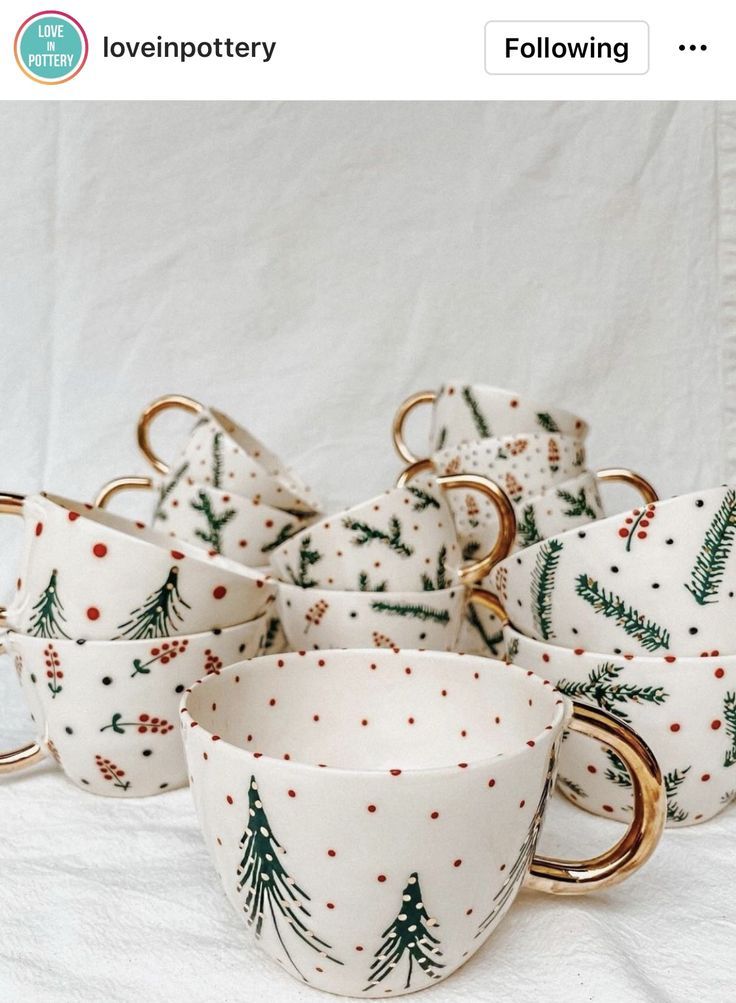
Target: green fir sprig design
[[649, 634], [543, 583], [481, 425], [281, 537], [579, 504], [367, 534], [470, 550], [413, 610], [48, 612], [307, 559], [159, 615], [672, 782], [528, 531], [167, 487], [267, 641], [408, 935], [442, 438], [440, 580], [269, 891], [217, 460], [604, 688], [617, 772], [492, 642], [424, 499], [547, 422], [729, 714], [576, 789], [216, 521], [710, 564], [365, 584]]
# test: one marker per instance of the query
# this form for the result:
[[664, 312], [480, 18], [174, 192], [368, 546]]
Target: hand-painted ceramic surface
[[684, 708]]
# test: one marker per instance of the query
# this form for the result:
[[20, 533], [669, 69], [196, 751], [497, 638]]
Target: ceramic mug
[[462, 412], [242, 529], [226, 456], [402, 540], [684, 708], [326, 618], [655, 580], [89, 574], [107, 711], [372, 814]]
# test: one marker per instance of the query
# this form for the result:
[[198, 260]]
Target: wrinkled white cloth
[[304, 267]]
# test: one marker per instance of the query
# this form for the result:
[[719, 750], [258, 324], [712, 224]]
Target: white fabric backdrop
[[304, 267]]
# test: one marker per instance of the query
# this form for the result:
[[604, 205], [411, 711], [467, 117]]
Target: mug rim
[[414, 593], [507, 394], [141, 533], [237, 496], [562, 707]]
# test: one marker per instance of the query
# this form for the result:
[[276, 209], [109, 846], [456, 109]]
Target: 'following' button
[[567, 47]]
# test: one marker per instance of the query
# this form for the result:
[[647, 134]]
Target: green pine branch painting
[[167, 487], [604, 688], [481, 425], [710, 564], [365, 584], [413, 610], [672, 782], [578, 504], [367, 534], [408, 936], [527, 530], [217, 461], [573, 787], [216, 521], [423, 499], [281, 537], [267, 641], [617, 772], [542, 584], [729, 714], [47, 614], [492, 642], [440, 580], [547, 422], [442, 438], [307, 559], [269, 891], [650, 635], [470, 550], [159, 615]]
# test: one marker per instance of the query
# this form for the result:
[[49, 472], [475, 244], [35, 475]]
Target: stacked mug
[[109, 625], [635, 614], [534, 452], [387, 573], [225, 491]]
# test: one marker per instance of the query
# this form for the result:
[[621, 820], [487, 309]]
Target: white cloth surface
[[304, 267]]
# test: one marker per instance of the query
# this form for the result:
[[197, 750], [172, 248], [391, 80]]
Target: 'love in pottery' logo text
[[51, 47]]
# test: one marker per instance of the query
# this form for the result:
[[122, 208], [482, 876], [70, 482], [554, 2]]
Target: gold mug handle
[[164, 403], [9, 505], [576, 877], [476, 570], [26, 755], [402, 413], [107, 491], [624, 476]]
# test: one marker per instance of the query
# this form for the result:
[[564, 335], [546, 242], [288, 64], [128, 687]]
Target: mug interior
[[376, 710]]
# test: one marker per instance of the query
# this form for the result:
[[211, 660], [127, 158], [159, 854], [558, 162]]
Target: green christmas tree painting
[[481, 425], [542, 584], [635, 624], [408, 940], [48, 613], [269, 891], [365, 534], [527, 531], [308, 557], [710, 565], [160, 615], [215, 521], [604, 688]]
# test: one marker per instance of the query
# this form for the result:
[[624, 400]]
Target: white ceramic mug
[[223, 454], [653, 581], [88, 574], [372, 814], [403, 540], [684, 708], [462, 412], [107, 711], [243, 529], [325, 618]]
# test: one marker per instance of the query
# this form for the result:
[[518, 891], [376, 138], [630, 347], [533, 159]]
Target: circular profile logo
[[51, 47]]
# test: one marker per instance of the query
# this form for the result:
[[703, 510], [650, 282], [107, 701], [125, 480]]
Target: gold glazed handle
[[397, 429], [574, 877], [491, 602], [26, 755], [624, 476], [472, 573], [113, 487], [144, 425], [9, 505]]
